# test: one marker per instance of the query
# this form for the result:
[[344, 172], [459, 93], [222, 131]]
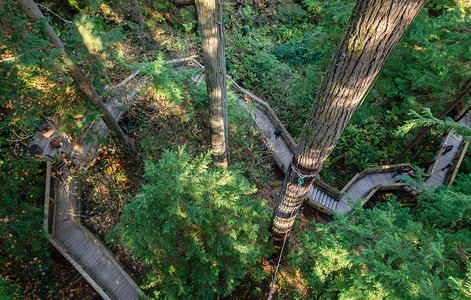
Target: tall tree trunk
[[35, 15], [214, 60], [372, 32], [137, 13], [144, 34], [464, 91]]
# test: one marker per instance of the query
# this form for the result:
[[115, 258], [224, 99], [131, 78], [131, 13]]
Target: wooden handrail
[[320, 207], [330, 190], [438, 154], [327, 188], [456, 166], [108, 253], [47, 196], [58, 245], [378, 169], [383, 187], [63, 250], [51, 233], [270, 113]]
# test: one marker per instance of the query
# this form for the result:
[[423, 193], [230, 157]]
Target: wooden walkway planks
[[362, 186], [78, 245], [97, 264], [86, 152], [87, 251], [283, 153]]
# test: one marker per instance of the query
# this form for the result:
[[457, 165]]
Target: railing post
[[47, 194]]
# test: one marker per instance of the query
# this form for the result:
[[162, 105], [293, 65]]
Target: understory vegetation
[[393, 251], [184, 229]]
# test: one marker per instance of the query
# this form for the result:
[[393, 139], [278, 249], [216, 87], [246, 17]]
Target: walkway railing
[[49, 228], [373, 170], [383, 187], [265, 107], [88, 151], [87, 254], [456, 164], [325, 187]]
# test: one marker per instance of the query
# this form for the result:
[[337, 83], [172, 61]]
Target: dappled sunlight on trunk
[[212, 35], [372, 32]]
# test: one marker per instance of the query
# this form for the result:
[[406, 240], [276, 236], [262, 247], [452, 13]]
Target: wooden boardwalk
[[281, 148], [76, 243], [86, 250], [97, 264], [283, 155], [360, 187]]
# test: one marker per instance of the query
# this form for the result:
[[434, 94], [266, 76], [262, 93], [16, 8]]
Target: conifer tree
[[36, 16], [373, 30], [427, 119], [214, 60], [466, 89], [196, 226], [392, 251]]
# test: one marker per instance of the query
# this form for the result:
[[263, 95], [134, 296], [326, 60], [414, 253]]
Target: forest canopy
[[208, 225]]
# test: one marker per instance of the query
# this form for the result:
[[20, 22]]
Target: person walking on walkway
[[403, 179], [277, 133], [447, 149], [447, 166], [400, 171]]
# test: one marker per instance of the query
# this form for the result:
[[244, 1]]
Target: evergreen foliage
[[282, 54], [203, 239], [391, 251], [196, 227], [23, 253], [427, 119], [27, 74]]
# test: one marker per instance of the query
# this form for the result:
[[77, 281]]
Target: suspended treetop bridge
[[98, 265]]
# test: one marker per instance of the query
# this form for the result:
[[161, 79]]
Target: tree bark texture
[[35, 15], [372, 32], [137, 13], [214, 60]]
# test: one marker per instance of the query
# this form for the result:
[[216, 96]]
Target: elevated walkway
[[77, 244], [97, 264], [365, 183]]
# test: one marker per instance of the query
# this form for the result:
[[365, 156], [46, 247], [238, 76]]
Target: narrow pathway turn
[[360, 186], [76, 243]]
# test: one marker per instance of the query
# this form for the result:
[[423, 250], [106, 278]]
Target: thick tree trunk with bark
[[137, 13], [214, 60], [35, 15], [374, 29]]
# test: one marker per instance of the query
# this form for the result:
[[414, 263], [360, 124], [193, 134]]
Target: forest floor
[[70, 283]]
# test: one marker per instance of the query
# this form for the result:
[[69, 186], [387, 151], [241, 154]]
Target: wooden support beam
[[47, 194]]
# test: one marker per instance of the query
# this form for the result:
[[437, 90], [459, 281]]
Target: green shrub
[[290, 12], [196, 227], [391, 252]]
